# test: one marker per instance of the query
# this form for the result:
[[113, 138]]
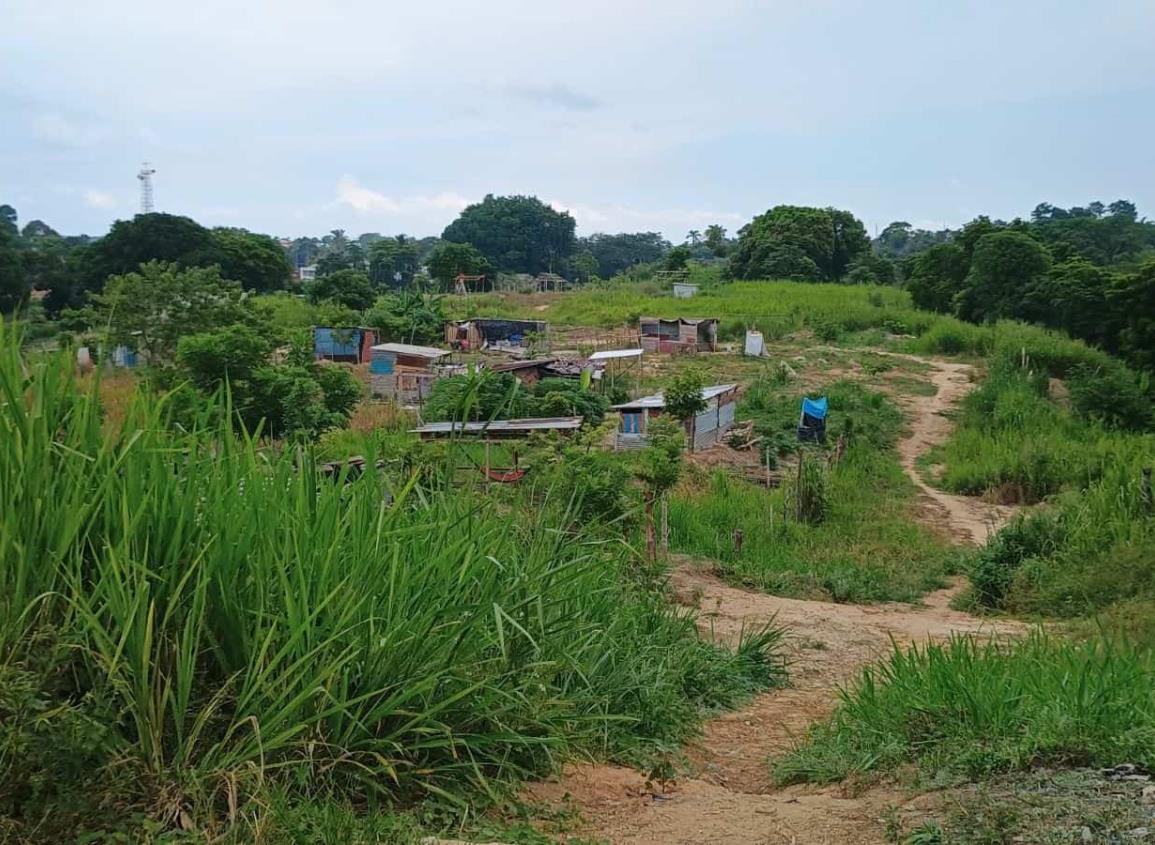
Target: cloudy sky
[[295, 117]]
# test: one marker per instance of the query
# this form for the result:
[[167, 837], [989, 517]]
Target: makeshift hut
[[812, 421], [684, 290], [492, 333], [705, 429], [350, 345], [678, 334], [755, 345], [530, 372], [405, 372]]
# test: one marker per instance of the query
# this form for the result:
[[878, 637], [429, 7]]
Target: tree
[[870, 269], [1072, 297], [339, 253], [164, 238], [408, 316], [936, 276], [14, 284], [37, 229], [658, 467], [694, 237], [683, 395], [813, 243], [716, 239], [258, 262], [1123, 208], [151, 310], [1004, 266], [901, 240], [584, 266], [516, 234], [615, 253], [1132, 300], [8, 220], [677, 257], [450, 259], [350, 288], [392, 262]]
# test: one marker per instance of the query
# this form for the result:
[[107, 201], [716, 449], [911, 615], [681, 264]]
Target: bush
[[972, 708], [994, 567], [1112, 395]]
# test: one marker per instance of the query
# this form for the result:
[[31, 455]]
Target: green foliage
[[1003, 267], [811, 244], [565, 397], [393, 262], [1111, 394], [516, 234], [659, 465], [683, 394], [936, 276], [263, 635], [901, 240], [151, 310], [617, 253], [348, 288], [483, 395], [408, 316], [973, 708], [870, 269], [450, 259], [677, 258], [256, 261], [14, 284], [146, 238]]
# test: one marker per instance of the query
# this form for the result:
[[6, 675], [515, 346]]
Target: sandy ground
[[729, 797]]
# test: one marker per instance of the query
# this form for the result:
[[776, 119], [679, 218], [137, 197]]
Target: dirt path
[[729, 797], [967, 519]]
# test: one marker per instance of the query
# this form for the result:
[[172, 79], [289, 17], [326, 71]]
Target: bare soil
[[728, 796]]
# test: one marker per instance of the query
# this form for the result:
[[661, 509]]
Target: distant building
[[684, 290], [678, 334], [348, 344], [308, 273], [707, 428], [491, 333], [405, 372]]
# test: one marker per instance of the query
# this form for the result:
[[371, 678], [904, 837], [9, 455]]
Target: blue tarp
[[814, 408]]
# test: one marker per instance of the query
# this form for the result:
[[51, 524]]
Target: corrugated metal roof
[[616, 353], [507, 366], [409, 349], [689, 321], [529, 424], [658, 400]]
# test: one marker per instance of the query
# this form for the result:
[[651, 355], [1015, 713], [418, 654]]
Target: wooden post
[[665, 524], [737, 537], [487, 465], [768, 475], [1145, 489], [798, 484]]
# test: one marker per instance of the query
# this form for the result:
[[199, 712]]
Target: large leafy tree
[[14, 283], [936, 275], [258, 262], [1132, 299], [615, 253], [1005, 265], [165, 238], [814, 244], [516, 234], [152, 309]]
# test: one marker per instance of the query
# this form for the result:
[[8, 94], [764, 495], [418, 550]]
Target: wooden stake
[[665, 524], [1145, 489]]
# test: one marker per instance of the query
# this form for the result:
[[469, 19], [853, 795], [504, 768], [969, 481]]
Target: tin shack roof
[[409, 349], [689, 321], [482, 426], [616, 353], [658, 400]]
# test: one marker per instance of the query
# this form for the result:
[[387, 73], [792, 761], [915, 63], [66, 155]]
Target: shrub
[[993, 568], [1112, 395]]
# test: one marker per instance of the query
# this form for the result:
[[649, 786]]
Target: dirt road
[[730, 797]]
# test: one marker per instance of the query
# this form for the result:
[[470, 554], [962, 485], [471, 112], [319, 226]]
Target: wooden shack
[[678, 334], [493, 333], [347, 344], [404, 372], [707, 428], [497, 429]]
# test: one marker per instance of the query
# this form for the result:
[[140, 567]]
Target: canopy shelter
[[812, 420]]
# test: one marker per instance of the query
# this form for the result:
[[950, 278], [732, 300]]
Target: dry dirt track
[[730, 798]]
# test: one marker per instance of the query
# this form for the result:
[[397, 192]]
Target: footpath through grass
[[866, 545]]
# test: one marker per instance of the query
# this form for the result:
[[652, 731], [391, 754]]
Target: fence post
[[1145, 489], [737, 537], [665, 524]]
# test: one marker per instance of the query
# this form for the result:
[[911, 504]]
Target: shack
[[684, 290], [704, 430], [405, 372], [348, 344], [493, 333], [498, 429], [530, 372], [678, 334]]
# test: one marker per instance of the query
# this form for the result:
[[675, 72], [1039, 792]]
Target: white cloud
[[98, 199], [352, 194]]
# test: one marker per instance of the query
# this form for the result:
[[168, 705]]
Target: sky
[[295, 118]]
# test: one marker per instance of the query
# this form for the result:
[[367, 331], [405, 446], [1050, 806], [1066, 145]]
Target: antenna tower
[[145, 177]]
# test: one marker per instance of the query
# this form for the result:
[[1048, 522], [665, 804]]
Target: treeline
[[1087, 271]]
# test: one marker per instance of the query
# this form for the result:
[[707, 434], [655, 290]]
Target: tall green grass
[[198, 619], [970, 708], [869, 547]]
